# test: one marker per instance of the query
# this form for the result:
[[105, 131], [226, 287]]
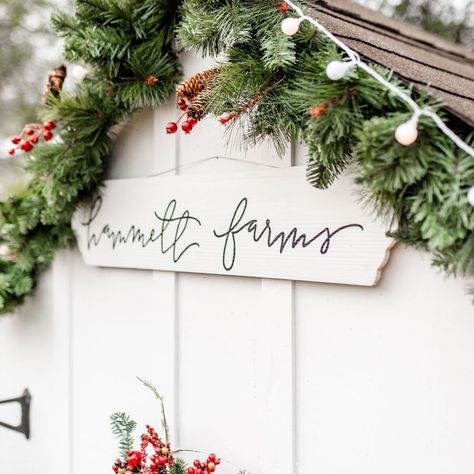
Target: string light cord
[[354, 60], [204, 160]]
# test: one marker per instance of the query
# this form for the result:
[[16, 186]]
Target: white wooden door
[[274, 376], [34, 354]]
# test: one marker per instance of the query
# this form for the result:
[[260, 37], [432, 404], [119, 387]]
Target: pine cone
[[55, 82], [191, 87], [197, 106]]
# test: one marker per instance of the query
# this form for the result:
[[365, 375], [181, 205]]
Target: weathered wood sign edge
[[268, 223]]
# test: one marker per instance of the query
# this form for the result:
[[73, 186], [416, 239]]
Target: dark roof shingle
[[444, 69]]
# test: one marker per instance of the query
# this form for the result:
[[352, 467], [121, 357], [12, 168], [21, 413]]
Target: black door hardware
[[24, 401]]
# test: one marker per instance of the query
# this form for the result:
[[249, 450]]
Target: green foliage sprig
[[128, 46], [122, 427], [159, 397]]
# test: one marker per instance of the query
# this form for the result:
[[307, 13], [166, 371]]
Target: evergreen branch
[[124, 43], [122, 427], [423, 187], [179, 466]]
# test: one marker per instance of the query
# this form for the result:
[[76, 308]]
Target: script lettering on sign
[[243, 226]]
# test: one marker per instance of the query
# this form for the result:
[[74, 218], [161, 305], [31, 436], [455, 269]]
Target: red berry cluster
[[141, 461], [162, 453], [119, 465], [30, 136], [204, 467], [132, 464], [187, 125]]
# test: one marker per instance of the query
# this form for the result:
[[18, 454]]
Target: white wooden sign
[[269, 223]]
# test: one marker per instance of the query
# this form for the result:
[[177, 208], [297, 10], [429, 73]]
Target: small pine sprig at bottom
[[154, 455]]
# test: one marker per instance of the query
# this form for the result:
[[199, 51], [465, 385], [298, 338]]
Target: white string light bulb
[[336, 70], [79, 72], [290, 25], [470, 196], [407, 132]]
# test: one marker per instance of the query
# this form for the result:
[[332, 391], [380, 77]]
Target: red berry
[[29, 131], [197, 463], [162, 460], [171, 127], [34, 140], [187, 126], [26, 146], [182, 104], [115, 468], [11, 152], [47, 136], [190, 470], [211, 457], [217, 461], [192, 121], [49, 125], [16, 140], [134, 458], [199, 471]]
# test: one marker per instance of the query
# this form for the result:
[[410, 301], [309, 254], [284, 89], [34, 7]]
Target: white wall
[[274, 376]]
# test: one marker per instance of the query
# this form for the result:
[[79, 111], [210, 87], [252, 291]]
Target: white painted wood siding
[[275, 376]]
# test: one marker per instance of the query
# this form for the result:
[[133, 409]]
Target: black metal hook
[[24, 426]]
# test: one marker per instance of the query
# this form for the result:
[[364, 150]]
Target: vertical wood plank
[[276, 377], [27, 361], [62, 363], [112, 312], [165, 284]]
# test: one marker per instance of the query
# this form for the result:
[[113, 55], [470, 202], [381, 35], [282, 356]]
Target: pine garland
[[422, 189], [268, 87], [124, 44]]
